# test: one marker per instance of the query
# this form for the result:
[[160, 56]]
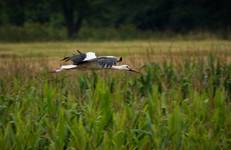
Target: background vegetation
[[26, 20], [181, 99]]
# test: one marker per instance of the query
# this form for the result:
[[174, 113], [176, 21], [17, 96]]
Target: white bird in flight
[[89, 60]]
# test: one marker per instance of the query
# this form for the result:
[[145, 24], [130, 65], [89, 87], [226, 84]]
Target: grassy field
[[182, 99]]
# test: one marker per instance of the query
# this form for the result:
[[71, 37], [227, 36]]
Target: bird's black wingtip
[[65, 58], [120, 59], [79, 51]]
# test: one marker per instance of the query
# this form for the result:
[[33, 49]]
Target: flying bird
[[89, 60]]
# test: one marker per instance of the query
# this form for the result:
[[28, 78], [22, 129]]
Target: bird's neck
[[118, 67]]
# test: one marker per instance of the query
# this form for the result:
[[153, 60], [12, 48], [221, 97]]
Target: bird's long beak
[[132, 70]]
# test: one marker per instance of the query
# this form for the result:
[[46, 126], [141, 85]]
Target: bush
[[31, 32], [48, 32]]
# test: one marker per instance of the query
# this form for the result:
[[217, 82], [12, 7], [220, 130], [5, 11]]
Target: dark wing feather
[[76, 59], [105, 62]]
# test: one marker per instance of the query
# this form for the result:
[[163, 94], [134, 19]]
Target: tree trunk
[[73, 27], [73, 18]]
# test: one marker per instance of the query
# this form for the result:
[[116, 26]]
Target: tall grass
[[169, 106]]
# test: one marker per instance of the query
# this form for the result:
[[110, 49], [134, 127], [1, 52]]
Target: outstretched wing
[[80, 58], [106, 62]]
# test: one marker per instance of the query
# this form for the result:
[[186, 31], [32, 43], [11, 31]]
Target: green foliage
[[145, 16], [164, 108], [31, 32]]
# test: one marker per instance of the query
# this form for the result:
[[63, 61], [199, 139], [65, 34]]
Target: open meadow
[[182, 99]]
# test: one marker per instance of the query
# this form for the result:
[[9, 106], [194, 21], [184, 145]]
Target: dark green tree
[[76, 12], [180, 15], [15, 10]]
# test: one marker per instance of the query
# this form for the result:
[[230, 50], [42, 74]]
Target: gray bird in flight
[[90, 61]]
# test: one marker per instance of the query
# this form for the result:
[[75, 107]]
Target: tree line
[[161, 15]]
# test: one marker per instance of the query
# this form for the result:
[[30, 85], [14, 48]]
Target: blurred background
[[55, 20]]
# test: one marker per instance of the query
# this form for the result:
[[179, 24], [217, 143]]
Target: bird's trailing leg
[[64, 67]]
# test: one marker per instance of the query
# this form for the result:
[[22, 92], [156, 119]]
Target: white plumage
[[90, 61], [89, 56]]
